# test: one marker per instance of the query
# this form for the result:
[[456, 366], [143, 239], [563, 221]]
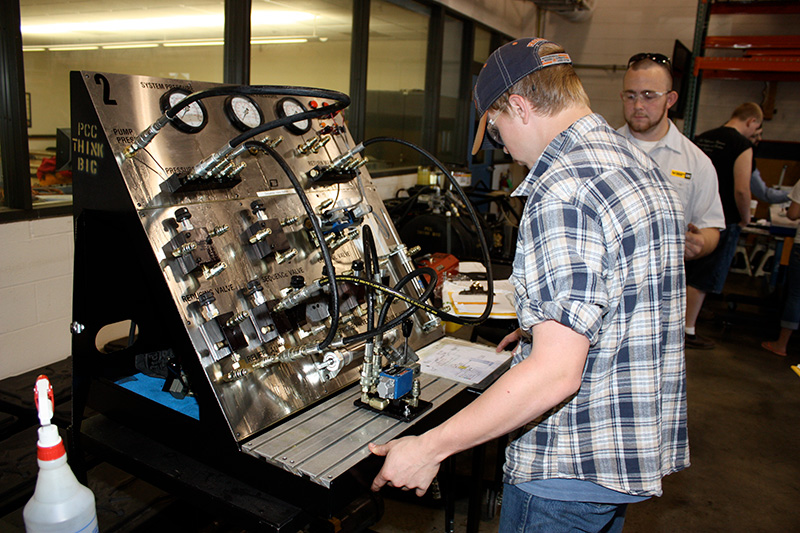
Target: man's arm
[[700, 241], [757, 186], [742, 170], [793, 212], [764, 193], [548, 376]]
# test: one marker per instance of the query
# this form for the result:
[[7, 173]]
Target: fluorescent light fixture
[[128, 24], [125, 46], [71, 48], [171, 44], [258, 18], [276, 18], [279, 41]]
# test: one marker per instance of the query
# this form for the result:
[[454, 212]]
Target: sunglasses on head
[[661, 59]]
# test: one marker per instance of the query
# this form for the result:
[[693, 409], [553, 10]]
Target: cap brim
[[480, 133], [483, 141]]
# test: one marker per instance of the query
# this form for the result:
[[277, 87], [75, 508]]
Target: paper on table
[[777, 216], [460, 360], [473, 304]]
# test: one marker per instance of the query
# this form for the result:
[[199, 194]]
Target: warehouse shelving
[[772, 58]]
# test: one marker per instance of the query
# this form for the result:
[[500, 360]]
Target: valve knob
[[253, 286], [182, 214], [206, 298], [256, 206]]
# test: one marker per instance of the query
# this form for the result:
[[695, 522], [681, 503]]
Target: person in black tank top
[[731, 151]]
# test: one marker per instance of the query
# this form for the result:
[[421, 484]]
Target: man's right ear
[[518, 105], [672, 98]]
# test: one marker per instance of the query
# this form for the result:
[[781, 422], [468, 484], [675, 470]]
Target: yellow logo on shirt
[[684, 175]]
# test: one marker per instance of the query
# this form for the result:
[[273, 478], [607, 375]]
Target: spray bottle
[[59, 504]]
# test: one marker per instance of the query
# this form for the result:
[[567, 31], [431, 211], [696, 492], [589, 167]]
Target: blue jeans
[[791, 308], [708, 274], [525, 513]]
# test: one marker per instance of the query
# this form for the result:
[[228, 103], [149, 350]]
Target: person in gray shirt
[[770, 195]]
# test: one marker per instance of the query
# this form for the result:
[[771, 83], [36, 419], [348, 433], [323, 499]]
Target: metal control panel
[[228, 231]]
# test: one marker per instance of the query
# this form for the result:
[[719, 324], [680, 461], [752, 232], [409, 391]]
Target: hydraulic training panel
[[213, 225]]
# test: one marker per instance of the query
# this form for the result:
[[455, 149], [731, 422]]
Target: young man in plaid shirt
[[597, 387]]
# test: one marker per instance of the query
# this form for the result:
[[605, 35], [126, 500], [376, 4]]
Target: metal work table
[[331, 438]]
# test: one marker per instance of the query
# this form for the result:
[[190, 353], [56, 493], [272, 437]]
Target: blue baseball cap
[[505, 67]]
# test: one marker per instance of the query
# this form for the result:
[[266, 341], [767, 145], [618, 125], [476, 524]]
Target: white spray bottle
[[59, 504]]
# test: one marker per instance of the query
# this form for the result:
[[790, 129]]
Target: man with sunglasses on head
[[596, 394], [647, 96]]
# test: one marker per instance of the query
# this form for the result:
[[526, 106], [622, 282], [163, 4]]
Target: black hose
[[371, 266], [323, 246], [418, 272], [341, 101], [481, 238], [393, 293]]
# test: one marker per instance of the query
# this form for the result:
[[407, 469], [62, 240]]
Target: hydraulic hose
[[382, 328], [371, 267], [326, 254], [341, 101], [481, 238]]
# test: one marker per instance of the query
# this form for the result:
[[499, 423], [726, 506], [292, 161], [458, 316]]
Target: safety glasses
[[492, 130], [661, 59], [646, 96]]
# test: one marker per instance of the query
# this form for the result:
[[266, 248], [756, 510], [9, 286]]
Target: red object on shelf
[[442, 263], [754, 42], [748, 64], [754, 7]]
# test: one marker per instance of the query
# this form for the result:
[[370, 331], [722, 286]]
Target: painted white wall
[[507, 16], [618, 29]]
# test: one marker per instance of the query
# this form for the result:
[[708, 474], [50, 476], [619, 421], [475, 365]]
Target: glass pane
[[308, 45], [398, 40], [448, 148], [148, 37], [480, 52]]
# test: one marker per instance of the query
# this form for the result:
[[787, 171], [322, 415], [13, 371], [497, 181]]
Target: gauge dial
[[243, 112], [288, 107], [191, 118]]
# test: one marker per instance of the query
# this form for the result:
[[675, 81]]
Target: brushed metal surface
[[266, 395], [331, 438]]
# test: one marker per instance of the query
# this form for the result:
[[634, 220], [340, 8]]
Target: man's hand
[[694, 242], [409, 465], [514, 336], [547, 377]]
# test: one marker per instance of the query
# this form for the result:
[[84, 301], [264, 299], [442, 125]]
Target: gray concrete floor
[[744, 433]]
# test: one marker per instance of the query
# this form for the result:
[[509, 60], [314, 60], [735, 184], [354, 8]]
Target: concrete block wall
[[35, 293]]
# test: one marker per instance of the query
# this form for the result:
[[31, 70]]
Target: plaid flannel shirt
[[600, 250]]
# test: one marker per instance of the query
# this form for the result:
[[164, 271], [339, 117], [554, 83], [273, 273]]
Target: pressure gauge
[[243, 112], [288, 107], [191, 118]]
